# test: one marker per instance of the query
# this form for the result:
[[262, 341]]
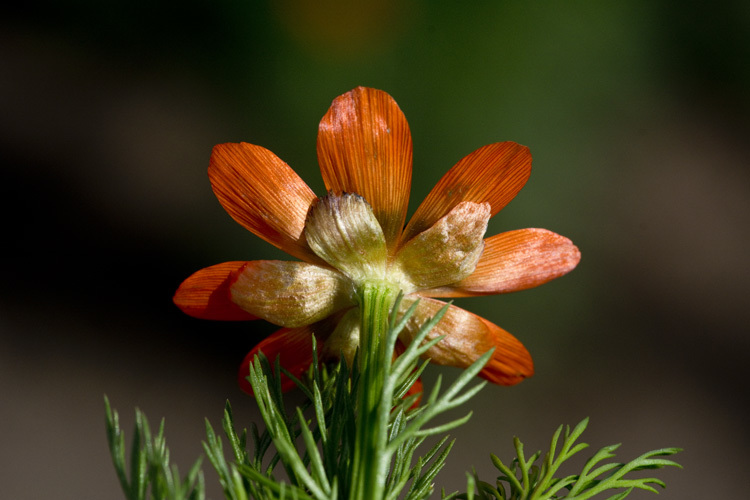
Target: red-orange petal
[[292, 346], [205, 294], [467, 337], [511, 362], [416, 389], [364, 147], [492, 174], [513, 261], [263, 194]]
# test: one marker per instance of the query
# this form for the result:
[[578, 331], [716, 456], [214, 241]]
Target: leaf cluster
[[307, 453], [150, 468], [525, 480], [314, 444]]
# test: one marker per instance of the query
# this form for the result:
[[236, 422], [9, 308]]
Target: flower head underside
[[356, 234]]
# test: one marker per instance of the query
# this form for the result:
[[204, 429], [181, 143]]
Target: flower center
[[343, 231]]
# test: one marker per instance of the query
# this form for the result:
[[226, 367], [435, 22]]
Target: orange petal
[[511, 362], [293, 347], [467, 337], [263, 194], [205, 294], [364, 147], [492, 174], [513, 261], [416, 389]]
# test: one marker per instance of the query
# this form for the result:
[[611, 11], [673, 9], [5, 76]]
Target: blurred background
[[637, 114]]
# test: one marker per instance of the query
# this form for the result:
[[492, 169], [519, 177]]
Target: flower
[[356, 234]]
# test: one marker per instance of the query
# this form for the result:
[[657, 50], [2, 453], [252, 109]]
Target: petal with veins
[[263, 194], [513, 261], [467, 337], [205, 294], [364, 147], [492, 174], [293, 349]]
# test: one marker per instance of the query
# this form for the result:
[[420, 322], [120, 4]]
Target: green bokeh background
[[637, 114]]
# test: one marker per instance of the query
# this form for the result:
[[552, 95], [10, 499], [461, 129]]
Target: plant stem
[[370, 465]]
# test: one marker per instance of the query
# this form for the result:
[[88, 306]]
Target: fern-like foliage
[[525, 480], [314, 445], [150, 469]]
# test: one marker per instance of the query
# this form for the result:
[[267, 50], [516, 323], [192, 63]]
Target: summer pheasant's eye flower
[[356, 234]]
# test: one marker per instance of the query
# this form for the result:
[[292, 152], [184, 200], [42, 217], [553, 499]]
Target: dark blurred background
[[637, 114]]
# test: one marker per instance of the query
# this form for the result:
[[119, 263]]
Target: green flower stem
[[370, 465]]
